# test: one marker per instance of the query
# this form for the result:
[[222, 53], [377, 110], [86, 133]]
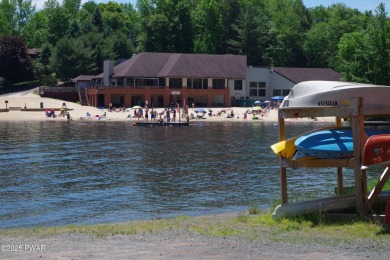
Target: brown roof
[[83, 78], [298, 75], [160, 65]]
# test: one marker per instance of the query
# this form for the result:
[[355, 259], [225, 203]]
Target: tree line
[[75, 39]]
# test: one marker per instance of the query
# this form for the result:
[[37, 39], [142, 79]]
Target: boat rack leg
[[377, 189]]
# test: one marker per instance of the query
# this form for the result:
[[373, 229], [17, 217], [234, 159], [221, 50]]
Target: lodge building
[[165, 78], [206, 80]]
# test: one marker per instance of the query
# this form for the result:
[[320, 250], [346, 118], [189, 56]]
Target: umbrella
[[200, 110], [136, 107], [256, 108], [277, 98], [257, 102]]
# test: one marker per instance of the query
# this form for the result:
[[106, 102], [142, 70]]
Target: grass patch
[[310, 229]]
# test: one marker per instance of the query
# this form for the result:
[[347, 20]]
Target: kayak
[[336, 143]]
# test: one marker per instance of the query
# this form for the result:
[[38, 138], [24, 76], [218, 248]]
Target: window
[[253, 92], [196, 83], [175, 83], [281, 92], [257, 89], [285, 92], [119, 81], [138, 82], [277, 92], [151, 82], [162, 82], [130, 81], [238, 85], [218, 83]]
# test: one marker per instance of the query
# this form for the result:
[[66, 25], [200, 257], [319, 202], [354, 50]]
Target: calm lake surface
[[89, 172]]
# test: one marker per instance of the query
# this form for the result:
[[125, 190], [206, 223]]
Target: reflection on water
[[55, 173]]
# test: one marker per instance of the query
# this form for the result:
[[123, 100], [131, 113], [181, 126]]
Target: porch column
[[127, 100], [107, 100]]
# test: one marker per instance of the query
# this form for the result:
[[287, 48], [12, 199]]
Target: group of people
[[168, 115]]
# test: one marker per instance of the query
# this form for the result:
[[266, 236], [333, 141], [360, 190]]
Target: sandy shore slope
[[31, 100]]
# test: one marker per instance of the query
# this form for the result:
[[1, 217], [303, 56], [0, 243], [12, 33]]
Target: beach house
[[209, 80]]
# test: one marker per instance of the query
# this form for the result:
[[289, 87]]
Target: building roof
[[83, 78], [161, 65], [297, 75]]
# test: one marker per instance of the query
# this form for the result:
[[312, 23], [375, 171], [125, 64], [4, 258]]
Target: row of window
[[256, 89], [176, 83], [259, 89]]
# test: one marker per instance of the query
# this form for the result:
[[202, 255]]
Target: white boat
[[323, 205], [334, 94]]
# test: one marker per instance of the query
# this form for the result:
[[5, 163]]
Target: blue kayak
[[334, 143]]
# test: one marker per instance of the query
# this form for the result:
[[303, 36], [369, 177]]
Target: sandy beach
[[31, 100]]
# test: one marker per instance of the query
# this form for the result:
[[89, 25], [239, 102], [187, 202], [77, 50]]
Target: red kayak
[[377, 150]]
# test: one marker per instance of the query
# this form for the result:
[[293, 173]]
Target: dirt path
[[173, 245]]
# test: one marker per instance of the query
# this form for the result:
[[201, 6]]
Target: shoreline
[[29, 100], [235, 235]]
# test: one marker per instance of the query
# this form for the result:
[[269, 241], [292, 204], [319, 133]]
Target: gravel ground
[[182, 243], [182, 246]]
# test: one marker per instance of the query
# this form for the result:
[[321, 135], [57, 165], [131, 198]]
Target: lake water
[[88, 172]]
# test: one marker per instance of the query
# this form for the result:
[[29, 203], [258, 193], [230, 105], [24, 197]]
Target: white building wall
[[257, 74], [272, 80], [279, 82], [237, 94]]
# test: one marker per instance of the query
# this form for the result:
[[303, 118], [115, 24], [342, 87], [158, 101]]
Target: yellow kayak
[[287, 147]]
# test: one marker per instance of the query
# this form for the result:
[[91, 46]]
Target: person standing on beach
[[168, 116], [68, 116]]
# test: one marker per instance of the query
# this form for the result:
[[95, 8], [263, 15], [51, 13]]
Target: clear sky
[[362, 5]]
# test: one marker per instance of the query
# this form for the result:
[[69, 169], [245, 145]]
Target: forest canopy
[[76, 38]]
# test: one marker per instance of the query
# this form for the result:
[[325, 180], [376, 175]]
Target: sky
[[361, 5]]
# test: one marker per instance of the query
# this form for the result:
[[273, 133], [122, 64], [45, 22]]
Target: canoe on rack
[[323, 205], [334, 94], [336, 143], [377, 150]]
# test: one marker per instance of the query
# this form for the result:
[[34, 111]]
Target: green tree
[[253, 34], [35, 32], [209, 30], [353, 57], [290, 21], [74, 30], [24, 11], [8, 13], [379, 48], [68, 58], [155, 38], [364, 55], [4, 28], [231, 10], [97, 20], [58, 21], [120, 46], [329, 25], [72, 6]]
